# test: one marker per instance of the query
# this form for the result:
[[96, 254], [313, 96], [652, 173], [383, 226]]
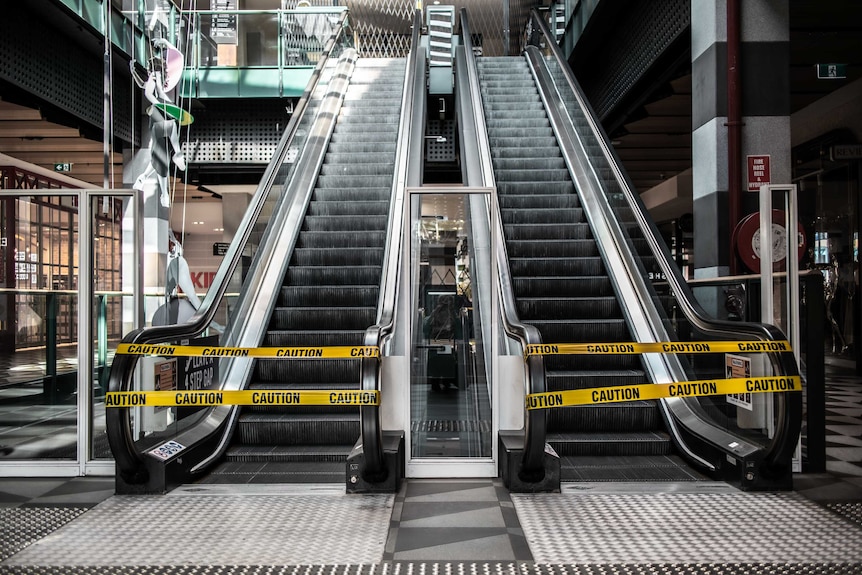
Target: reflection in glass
[[450, 394], [39, 309]]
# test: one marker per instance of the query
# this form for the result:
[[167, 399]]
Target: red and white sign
[[758, 173]]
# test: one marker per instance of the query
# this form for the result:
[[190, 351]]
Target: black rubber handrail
[[788, 415], [129, 461], [535, 421], [374, 469]]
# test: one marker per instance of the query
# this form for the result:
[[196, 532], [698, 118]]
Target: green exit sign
[[63, 167], [831, 71]]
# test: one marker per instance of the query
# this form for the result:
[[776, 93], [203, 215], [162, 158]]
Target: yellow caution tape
[[662, 390], [351, 352], [205, 398], [660, 347]]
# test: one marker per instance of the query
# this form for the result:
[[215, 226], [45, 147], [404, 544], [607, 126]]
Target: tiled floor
[[452, 527]]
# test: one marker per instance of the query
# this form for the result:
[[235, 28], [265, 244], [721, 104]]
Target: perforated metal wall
[[43, 62], [442, 147], [235, 131], [638, 35]]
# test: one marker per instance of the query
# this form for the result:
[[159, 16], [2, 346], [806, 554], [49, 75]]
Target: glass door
[[451, 399]]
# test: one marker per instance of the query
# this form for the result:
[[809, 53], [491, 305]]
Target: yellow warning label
[[660, 347], [661, 391], [350, 352], [239, 397]]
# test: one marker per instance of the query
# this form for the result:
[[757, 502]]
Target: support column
[[764, 87]]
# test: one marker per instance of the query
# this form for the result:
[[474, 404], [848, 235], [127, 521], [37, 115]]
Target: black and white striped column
[[764, 80]]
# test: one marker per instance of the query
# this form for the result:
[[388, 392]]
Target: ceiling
[[654, 141]]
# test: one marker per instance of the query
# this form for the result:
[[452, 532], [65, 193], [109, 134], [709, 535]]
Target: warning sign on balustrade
[[738, 366], [758, 172]]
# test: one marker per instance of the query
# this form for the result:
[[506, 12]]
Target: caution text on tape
[[661, 390], [660, 347], [206, 398], [350, 352]]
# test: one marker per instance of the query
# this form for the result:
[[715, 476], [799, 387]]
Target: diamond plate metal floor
[[442, 527], [639, 523], [221, 525]]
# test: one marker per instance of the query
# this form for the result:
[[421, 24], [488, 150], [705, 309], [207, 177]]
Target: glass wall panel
[[39, 308], [450, 394]]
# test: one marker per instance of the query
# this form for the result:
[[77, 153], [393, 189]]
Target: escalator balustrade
[[561, 286]]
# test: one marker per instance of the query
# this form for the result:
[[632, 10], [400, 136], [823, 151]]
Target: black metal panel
[[42, 62], [624, 46], [236, 131]]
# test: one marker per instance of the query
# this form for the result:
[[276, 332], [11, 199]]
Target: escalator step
[[614, 444], [351, 318], [364, 256], [552, 248], [335, 296], [319, 373]]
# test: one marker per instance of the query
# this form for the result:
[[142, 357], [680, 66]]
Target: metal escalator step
[[525, 144], [344, 256], [552, 267], [341, 181], [538, 201], [524, 188], [345, 223], [564, 286], [348, 208], [610, 444], [351, 318], [535, 231], [319, 373], [273, 472], [531, 163], [569, 308], [619, 374], [319, 337], [630, 468], [552, 248], [543, 216], [583, 330], [326, 275], [299, 453], [336, 239], [297, 429], [348, 195], [337, 167], [593, 362], [635, 416], [335, 296]]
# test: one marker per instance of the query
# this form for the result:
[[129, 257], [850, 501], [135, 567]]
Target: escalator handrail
[[128, 460], [783, 442], [535, 421], [376, 335]]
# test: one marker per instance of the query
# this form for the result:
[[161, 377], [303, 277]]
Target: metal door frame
[[451, 467]]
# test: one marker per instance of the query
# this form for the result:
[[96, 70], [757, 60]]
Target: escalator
[[329, 294], [581, 261], [307, 268], [562, 287]]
